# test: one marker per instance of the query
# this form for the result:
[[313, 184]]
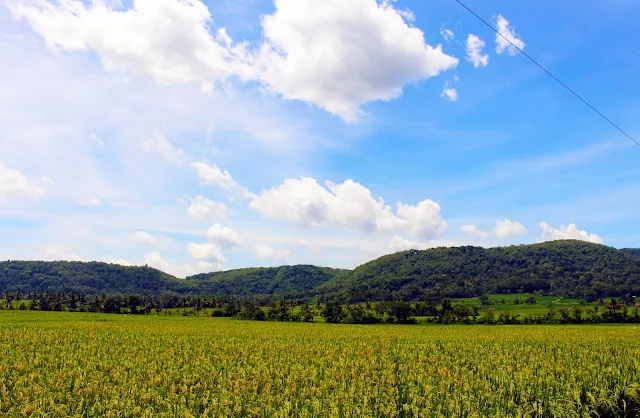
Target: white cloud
[[474, 231], [142, 237], [166, 39], [506, 228], [339, 55], [90, 201], [156, 261], [97, 139], [348, 205], [547, 233], [447, 34], [424, 221], [224, 236], [474, 51], [309, 245], [450, 94], [273, 255], [502, 45], [211, 174], [205, 251], [13, 182], [158, 143], [402, 244], [203, 208], [56, 253], [334, 54], [119, 261]]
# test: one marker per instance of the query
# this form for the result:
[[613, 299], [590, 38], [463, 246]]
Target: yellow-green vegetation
[[75, 364]]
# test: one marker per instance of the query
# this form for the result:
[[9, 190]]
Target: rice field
[[88, 365]]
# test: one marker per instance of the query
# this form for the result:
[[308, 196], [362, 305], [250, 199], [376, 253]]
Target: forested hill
[[634, 252], [286, 281], [91, 278], [96, 278], [562, 268]]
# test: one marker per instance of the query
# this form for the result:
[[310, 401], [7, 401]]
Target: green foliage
[[634, 252], [563, 268], [92, 278], [286, 281]]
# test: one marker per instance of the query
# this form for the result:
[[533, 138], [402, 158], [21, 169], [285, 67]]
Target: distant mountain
[[563, 268], [286, 281], [634, 252], [91, 278]]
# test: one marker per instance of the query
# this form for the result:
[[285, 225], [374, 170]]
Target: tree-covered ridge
[[92, 278], [634, 252], [285, 281], [562, 268]]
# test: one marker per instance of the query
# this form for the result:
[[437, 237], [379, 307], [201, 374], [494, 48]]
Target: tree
[[333, 312]]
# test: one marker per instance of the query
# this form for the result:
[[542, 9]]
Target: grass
[[82, 364]]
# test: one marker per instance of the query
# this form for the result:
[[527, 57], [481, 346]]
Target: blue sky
[[198, 136]]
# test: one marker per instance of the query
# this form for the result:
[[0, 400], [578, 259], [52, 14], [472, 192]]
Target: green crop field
[[88, 365]]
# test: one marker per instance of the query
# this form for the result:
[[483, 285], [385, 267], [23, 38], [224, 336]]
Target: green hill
[[91, 278], [562, 268], [286, 281], [634, 252]]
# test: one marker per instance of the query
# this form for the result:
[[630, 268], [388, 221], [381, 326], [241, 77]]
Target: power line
[[546, 71]]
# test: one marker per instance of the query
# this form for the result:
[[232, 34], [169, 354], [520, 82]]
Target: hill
[[634, 252], [91, 278], [285, 281], [561, 268]]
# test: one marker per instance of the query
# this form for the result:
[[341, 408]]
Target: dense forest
[[562, 268], [286, 281], [634, 252]]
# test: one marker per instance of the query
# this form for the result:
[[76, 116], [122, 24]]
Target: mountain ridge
[[562, 268]]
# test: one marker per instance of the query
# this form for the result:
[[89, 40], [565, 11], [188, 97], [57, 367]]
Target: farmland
[[81, 364]]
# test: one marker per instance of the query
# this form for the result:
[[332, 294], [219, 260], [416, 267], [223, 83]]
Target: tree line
[[444, 311]]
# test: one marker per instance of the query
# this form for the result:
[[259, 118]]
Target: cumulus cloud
[[155, 260], [13, 182], [474, 231], [309, 245], [474, 47], [447, 34], [224, 236], [90, 201], [165, 39], [506, 228], [142, 237], [338, 54], [211, 175], [502, 45], [449, 93], [402, 244], [347, 205], [158, 143], [270, 254], [547, 233], [203, 208], [57, 253], [205, 251], [334, 54]]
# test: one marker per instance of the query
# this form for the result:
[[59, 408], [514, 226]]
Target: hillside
[[91, 278], [562, 268], [286, 281], [634, 252]]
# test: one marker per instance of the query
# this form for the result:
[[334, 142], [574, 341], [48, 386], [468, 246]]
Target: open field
[[75, 364]]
